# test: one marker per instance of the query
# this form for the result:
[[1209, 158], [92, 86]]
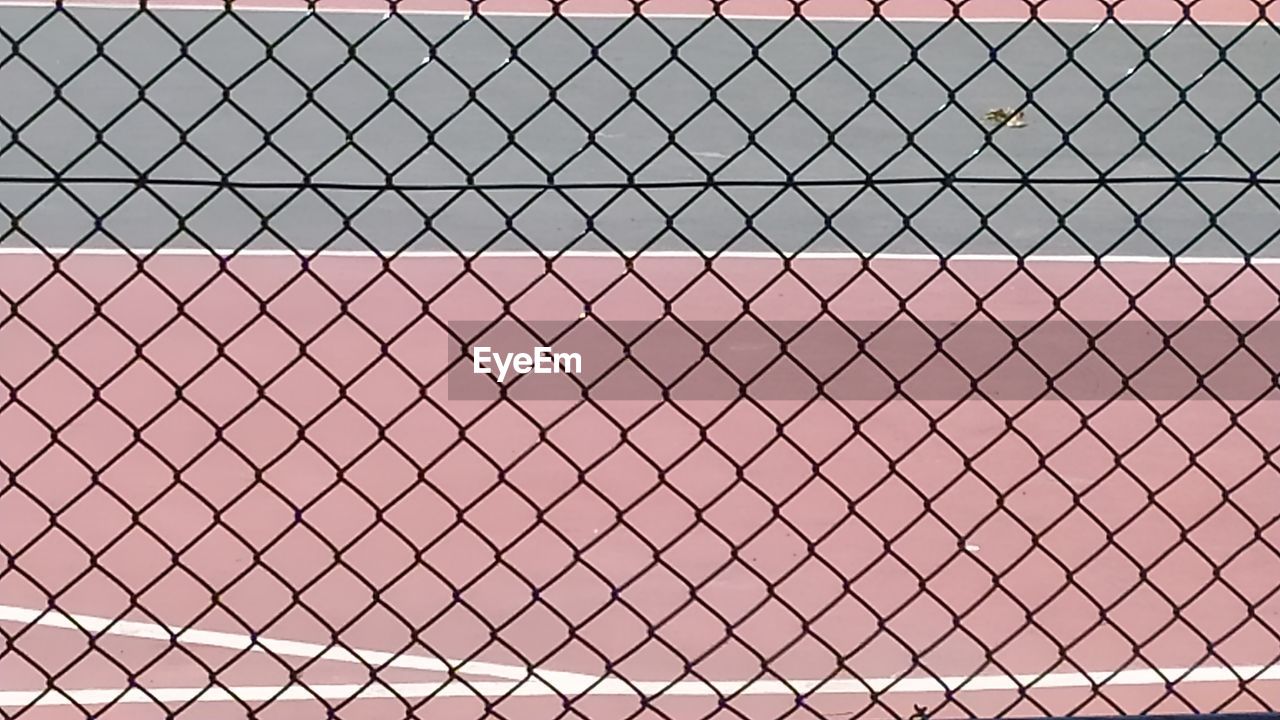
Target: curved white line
[[648, 689], [287, 648]]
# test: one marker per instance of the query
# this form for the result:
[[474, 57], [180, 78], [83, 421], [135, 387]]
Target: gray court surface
[[348, 100]]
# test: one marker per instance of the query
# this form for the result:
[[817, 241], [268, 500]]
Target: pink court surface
[[265, 539], [373, 557]]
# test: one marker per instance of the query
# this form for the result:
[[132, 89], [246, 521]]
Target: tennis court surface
[[805, 470]]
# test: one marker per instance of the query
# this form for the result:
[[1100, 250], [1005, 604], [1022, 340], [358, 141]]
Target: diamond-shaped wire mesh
[[927, 359]]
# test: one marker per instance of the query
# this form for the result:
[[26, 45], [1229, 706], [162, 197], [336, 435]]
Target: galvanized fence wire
[[226, 132]]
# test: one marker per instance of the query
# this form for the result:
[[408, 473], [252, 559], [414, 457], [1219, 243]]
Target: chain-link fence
[[880, 361]]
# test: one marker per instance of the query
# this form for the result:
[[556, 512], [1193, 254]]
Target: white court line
[[289, 648], [611, 255], [649, 689], [461, 14]]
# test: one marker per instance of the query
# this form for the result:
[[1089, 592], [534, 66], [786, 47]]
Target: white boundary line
[[218, 7], [615, 256], [616, 687], [287, 648], [532, 682]]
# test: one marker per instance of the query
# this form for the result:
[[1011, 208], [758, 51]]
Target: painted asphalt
[[644, 112]]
